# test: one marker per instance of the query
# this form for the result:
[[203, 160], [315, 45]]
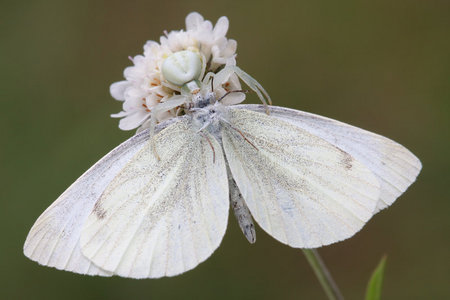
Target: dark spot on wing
[[346, 159], [99, 211]]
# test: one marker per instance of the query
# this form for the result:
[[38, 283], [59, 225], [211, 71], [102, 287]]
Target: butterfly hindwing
[[302, 190]]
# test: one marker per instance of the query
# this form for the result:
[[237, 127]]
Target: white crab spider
[[184, 69]]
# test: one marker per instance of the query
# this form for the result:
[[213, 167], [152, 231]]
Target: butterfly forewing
[[302, 190], [395, 166], [54, 238], [161, 217]]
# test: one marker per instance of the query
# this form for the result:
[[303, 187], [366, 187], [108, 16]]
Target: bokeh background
[[381, 65]]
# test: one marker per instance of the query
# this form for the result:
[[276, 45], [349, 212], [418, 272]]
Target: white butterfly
[[157, 205]]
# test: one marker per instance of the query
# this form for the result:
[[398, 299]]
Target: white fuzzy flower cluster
[[145, 86]]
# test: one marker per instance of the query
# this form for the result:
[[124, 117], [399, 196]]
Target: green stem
[[323, 275]]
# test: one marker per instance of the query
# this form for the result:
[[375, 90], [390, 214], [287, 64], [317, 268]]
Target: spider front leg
[[224, 74], [174, 102]]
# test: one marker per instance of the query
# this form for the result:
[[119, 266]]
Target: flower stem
[[323, 275]]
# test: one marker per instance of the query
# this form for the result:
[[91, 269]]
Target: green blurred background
[[381, 65]]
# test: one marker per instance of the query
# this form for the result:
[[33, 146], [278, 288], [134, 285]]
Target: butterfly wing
[[54, 238], [395, 166], [161, 217], [302, 190]]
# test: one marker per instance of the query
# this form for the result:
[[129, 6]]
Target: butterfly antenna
[[240, 132], [229, 92], [210, 144]]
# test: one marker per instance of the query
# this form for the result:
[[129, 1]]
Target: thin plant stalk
[[323, 275]]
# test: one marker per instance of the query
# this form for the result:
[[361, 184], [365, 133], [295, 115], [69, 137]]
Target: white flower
[[145, 87]]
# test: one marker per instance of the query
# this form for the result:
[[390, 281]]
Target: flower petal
[[133, 121], [117, 89], [119, 114], [193, 21], [221, 28]]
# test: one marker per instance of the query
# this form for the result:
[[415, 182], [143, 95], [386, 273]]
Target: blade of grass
[[376, 281], [323, 275]]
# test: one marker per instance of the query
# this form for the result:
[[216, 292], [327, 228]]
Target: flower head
[[145, 86]]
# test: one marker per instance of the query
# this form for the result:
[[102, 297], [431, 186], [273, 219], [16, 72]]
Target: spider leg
[[174, 102], [225, 73]]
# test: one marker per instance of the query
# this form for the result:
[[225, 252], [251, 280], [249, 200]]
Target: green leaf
[[376, 281]]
